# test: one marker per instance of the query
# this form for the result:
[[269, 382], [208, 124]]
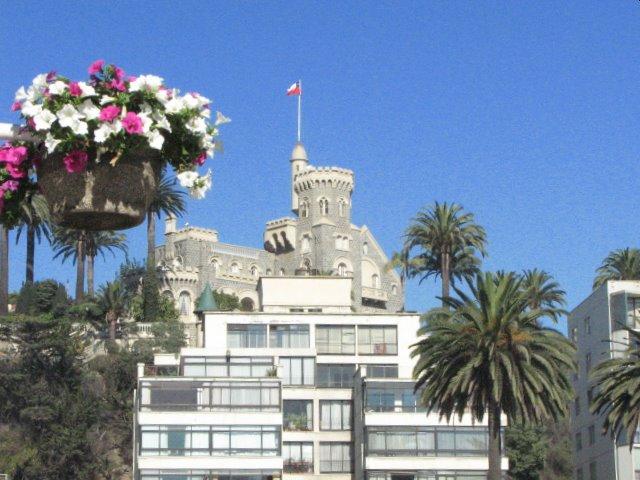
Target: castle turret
[[299, 161]]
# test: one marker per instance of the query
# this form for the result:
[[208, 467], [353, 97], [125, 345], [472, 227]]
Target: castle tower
[[299, 161]]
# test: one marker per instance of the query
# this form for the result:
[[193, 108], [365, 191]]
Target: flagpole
[[299, 107]]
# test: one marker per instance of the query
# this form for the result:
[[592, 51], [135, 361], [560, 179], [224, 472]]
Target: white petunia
[[174, 105], [80, 128], [205, 112], [161, 121], [68, 116], [191, 101], [187, 179], [156, 139], [197, 125], [40, 81], [21, 95], [44, 119], [201, 186], [208, 145], [146, 122], [106, 99], [89, 110], [162, 96], [57, 87], [145, 82], [221, 119], [51, 143], [146, 109], [87, 90], [103, 132], [30, 109]]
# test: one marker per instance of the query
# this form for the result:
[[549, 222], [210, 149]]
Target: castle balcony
[[375, 294]]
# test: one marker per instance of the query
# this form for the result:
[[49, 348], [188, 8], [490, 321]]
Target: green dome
[[206, 301]]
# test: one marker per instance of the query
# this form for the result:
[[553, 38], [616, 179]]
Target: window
[[304, 208], [365, 248], [587, 363], [382, 371], [254, 271], [289, 336], [305, 244], [247, 305], [184, 303], [297, 370], [377, 340], [174, 440], [335, 375], [245, 440], [215, 266], [269, 272], [297, 415], [577, 406], [633, 312], [587, 325], [324, 206], [427, 441], [342, 207], [590, 395], [578, 441], [394, 289], [592, 434], [336, 339], [574, 334], [335, 457], [244, 396], [297, 457], [281, 272], [235, 268], [246, 336], [335, 415], [593, 472], [375, 280], [226, 367], [342, 270], [392, 398]]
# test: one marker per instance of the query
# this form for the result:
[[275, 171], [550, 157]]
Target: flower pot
[[103, 197]]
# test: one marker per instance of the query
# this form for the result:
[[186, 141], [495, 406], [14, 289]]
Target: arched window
[[304, 208], [235, 268], [324, 206], [254, 271], [365, 248], [215, 266], [394, 289], [184, 303], [375, 280], [342, 207], [281, 272], [247, 304], [342, 269], [306, 243], [269, 272]]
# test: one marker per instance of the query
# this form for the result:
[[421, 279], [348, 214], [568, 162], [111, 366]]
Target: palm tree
[[542, 292], [112, 299], [623, 264], [35, 218], [447, 241], [168, 199], [83, 246], [617, 390], [487, 353]]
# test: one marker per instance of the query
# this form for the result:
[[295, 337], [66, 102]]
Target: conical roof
[[299, 153], [206, 301]]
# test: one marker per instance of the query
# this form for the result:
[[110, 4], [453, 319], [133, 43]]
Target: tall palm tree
[[487, 353], [83, 247], [36, 220], [446, 241], [542, 292], [167, 199], [622, 264], [617, 390], [112, 299]]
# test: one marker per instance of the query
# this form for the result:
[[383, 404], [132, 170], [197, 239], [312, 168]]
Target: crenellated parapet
[[324, 177]]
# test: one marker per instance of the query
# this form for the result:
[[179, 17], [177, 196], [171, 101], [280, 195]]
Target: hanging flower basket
[[96, 149]]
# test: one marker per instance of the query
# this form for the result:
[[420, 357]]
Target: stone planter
[[104, 197]]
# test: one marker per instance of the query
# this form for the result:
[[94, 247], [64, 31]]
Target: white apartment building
[[305, 388], [596, 326]]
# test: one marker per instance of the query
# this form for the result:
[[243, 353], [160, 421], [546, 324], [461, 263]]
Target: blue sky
[[523, 112]]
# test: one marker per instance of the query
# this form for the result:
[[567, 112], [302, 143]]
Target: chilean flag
[[294, 89]]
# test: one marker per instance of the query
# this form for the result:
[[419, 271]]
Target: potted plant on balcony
[[98, 147]]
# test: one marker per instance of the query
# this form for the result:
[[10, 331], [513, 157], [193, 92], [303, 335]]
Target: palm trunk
[[80, 258], [31, 253], [4, 270], [90, 275], [151, 239], [445, 261], [112, 320], [495, 443]]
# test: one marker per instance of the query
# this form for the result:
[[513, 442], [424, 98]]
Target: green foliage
[[150, 295], [42, 297], [130, 276], [623, 264], [226, 302]]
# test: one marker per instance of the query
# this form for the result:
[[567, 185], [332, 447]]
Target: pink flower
[[74, 89], [201, 159], [132, 123], [10, 185], [118, 73], [15, 155], [15, 106], [131, 78], [96, 67], [118, 85], [51, 76], [31, 122], [76, 161], [109, 113], [15, 171]]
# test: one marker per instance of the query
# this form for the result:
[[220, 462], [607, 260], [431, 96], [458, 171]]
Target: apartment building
[[596, 326], [305, 388]]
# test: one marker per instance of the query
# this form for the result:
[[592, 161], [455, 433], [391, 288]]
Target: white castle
[[318, 240]]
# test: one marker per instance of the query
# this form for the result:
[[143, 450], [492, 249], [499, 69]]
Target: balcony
[[298, 466], [375, 294]]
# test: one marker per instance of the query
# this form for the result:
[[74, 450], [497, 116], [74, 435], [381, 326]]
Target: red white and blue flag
[[294, 89]]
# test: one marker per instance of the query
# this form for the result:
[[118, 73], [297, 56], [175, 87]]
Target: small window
[[587, 325], [215, 266], [254, 271], [281, 272], [324, 206], [341, 207], [184, 303], [342, 269], [375, 280], [593, 471], [394, 289], [269, 272], [235, 268], [305, 244], [365, 248], [574, 334], [576, 405], [592, 435], [304, 208], [590, 395], [587, 363]]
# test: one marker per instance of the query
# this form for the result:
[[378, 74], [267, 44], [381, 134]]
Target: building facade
[[596, 326], [318, 239], [305, 388]]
